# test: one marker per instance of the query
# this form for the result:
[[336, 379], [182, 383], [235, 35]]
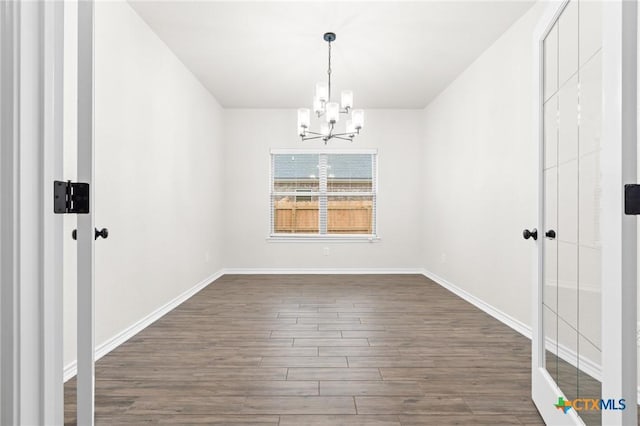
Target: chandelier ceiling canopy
[[331, 111]]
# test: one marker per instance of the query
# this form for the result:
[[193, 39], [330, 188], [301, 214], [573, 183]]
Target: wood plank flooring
[[379, 350]]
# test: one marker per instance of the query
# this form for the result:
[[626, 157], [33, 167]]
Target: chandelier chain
[[329, 72]]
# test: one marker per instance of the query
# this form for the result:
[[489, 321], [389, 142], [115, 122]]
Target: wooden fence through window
[[343, 217]]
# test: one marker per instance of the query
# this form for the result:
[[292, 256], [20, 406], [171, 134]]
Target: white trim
[[618, 231], [369, 151], [104, 348], [315, 271], [9, 212], [85, 294], [52, 289]]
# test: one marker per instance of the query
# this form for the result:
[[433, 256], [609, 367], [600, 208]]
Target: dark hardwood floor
[[318, 350]]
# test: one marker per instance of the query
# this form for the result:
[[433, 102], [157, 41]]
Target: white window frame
[[273, 236]]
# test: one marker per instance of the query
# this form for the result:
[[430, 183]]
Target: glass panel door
[[571, 249], [584, 367]]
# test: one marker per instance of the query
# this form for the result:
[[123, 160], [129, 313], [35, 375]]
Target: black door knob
[[530, 234], [104, 233], [550, 234]]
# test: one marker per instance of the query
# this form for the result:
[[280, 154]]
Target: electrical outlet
[[207, 256], [443, 258], [325, 251]]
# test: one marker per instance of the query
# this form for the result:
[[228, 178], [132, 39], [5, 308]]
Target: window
[[339, 193]]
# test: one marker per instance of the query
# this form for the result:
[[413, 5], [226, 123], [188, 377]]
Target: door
[[584, 285], [32, 94]]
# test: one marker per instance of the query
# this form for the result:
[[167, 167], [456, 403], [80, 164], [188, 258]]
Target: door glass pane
[[550, 321], [568, 43], [550, 244], [588, 386], [551, 132], [589, 196], [551, 63], [567, 359]]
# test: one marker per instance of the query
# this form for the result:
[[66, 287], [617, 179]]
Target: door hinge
[[632, 199], [70, 197]]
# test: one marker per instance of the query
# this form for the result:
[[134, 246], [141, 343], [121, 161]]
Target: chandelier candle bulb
[[324, 129], [346, 99], [322, 92], [333, 112], [357, 116], [304, 118], [350, 130], [318, 106]]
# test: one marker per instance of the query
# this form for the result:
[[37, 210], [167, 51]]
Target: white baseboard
[[330, 271], [515, 324], [115, 341]]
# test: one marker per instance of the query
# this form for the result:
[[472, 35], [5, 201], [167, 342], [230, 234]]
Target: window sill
[[357, 238]]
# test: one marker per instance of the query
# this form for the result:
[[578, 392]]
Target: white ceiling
[[393, 54]]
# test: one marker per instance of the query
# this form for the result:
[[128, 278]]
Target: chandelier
[[324, 107]]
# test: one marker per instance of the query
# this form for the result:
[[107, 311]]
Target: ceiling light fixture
[[322, 106]]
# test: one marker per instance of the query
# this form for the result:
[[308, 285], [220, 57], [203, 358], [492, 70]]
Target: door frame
[[31, 58], [619, 233], [85, 378], [619, 238]]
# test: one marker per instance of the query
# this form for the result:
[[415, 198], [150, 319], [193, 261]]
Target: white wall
[[158, 135], [250, 134], [480, 175]]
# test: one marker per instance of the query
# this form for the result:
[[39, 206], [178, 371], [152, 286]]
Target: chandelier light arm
[[349, 135]]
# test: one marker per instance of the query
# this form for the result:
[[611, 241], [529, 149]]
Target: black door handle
[[104, 233], [550, 234], [530, 234]]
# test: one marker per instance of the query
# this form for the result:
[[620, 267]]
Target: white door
[[584, 344]]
